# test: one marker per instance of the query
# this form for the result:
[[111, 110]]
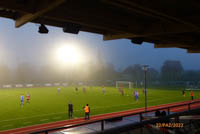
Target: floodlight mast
[[145, 85]]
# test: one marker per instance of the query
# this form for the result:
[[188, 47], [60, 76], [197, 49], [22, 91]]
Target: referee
[[70, 109]]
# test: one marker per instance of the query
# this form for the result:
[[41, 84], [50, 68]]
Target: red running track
[[98, 117]]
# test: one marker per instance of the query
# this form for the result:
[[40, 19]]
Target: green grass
[[46, 105]]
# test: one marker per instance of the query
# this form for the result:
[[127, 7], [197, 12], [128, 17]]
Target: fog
[[26, 55]]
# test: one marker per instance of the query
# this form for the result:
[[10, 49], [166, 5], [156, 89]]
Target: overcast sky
[[25, 44]]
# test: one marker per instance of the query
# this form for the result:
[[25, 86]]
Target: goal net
[[124, 84]]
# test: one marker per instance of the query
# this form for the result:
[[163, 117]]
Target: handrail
[[132, 126], [124, 115]]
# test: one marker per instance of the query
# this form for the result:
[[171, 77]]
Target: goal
[[126, 84]]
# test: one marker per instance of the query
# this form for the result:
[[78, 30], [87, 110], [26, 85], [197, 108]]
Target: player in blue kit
[[22, 100]]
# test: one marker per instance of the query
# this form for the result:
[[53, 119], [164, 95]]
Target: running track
[[98, 117]]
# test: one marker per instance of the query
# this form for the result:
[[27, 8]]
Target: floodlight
[[71, 28], [146, 67], [68, 54], [43, 29]]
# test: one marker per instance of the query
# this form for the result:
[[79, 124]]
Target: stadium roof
[[166, 23]]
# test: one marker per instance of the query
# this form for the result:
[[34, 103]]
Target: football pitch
[[47, 105]]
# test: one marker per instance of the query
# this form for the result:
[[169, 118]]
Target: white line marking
[[32, 116], [91, 109], [42, 127]]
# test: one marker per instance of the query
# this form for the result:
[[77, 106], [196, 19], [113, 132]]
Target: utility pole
[[145, 85]]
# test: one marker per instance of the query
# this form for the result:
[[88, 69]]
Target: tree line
[[171, 70]]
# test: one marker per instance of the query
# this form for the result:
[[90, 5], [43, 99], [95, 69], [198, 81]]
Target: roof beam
[[29, 17], [155, 29], [141, 9], [118, 36], [27, 7], [77, 19], [193, 50], [170, 45]]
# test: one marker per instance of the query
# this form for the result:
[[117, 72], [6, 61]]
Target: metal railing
[[141, 123]]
